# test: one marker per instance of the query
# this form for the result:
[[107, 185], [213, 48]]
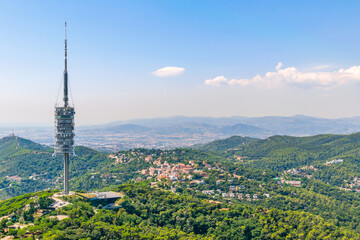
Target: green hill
[[11, 146], [233, 142], [36, 166], [282, 153], [149, 213]]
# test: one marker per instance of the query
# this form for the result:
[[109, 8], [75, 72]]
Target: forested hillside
[[150, 213], [231, 143], [302, 156], [284, 152], [27, 166], [237, 188]]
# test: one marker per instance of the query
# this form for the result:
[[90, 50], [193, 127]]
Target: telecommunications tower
[[64, 126]]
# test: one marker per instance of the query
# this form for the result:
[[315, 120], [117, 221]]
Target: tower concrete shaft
[[66, 173]]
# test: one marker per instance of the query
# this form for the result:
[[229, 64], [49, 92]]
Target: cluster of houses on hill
[[334, 161], [232, 194], [172, 172], [181, 172], [33, 176], [352, 185], [15, 178], [306, 171]]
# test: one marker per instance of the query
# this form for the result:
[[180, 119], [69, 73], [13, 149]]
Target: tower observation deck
[[64, 126]]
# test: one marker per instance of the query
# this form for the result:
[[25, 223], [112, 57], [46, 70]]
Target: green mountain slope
[[149, 213], [282, 153], [233, 142], [36, 166], [12, 146], [225, 176], [220, 198]]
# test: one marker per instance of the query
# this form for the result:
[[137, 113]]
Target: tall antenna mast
[[66, 98]]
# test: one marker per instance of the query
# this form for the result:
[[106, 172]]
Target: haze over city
[[145, 59]]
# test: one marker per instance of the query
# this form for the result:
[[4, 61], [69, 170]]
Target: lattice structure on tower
[[64, 127]]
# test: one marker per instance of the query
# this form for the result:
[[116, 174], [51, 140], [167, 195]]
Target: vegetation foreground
[[150, 213], [238, 188]]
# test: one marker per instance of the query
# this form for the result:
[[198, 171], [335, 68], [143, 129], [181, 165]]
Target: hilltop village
[[165, 170]]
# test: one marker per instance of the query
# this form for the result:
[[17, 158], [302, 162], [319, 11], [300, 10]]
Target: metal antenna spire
[[66, 98]]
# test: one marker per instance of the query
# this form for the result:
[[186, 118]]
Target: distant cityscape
[[107, 141], [175, 132]]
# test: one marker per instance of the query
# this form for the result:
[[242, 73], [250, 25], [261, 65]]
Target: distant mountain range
[[294, 125], [180, 131]]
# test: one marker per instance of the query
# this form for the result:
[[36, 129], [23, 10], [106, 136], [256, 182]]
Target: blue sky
[[115, 48]]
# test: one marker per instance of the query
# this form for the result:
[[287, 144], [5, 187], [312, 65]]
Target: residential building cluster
[[15, 178], [172, 172], [234, 193], [334, 161]]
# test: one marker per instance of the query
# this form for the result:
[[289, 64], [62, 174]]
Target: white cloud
[[169, 71], [321, 67], [217, 81], [292, 76], [278, 66]]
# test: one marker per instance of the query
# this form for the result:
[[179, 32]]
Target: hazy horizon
[[127, 121]]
